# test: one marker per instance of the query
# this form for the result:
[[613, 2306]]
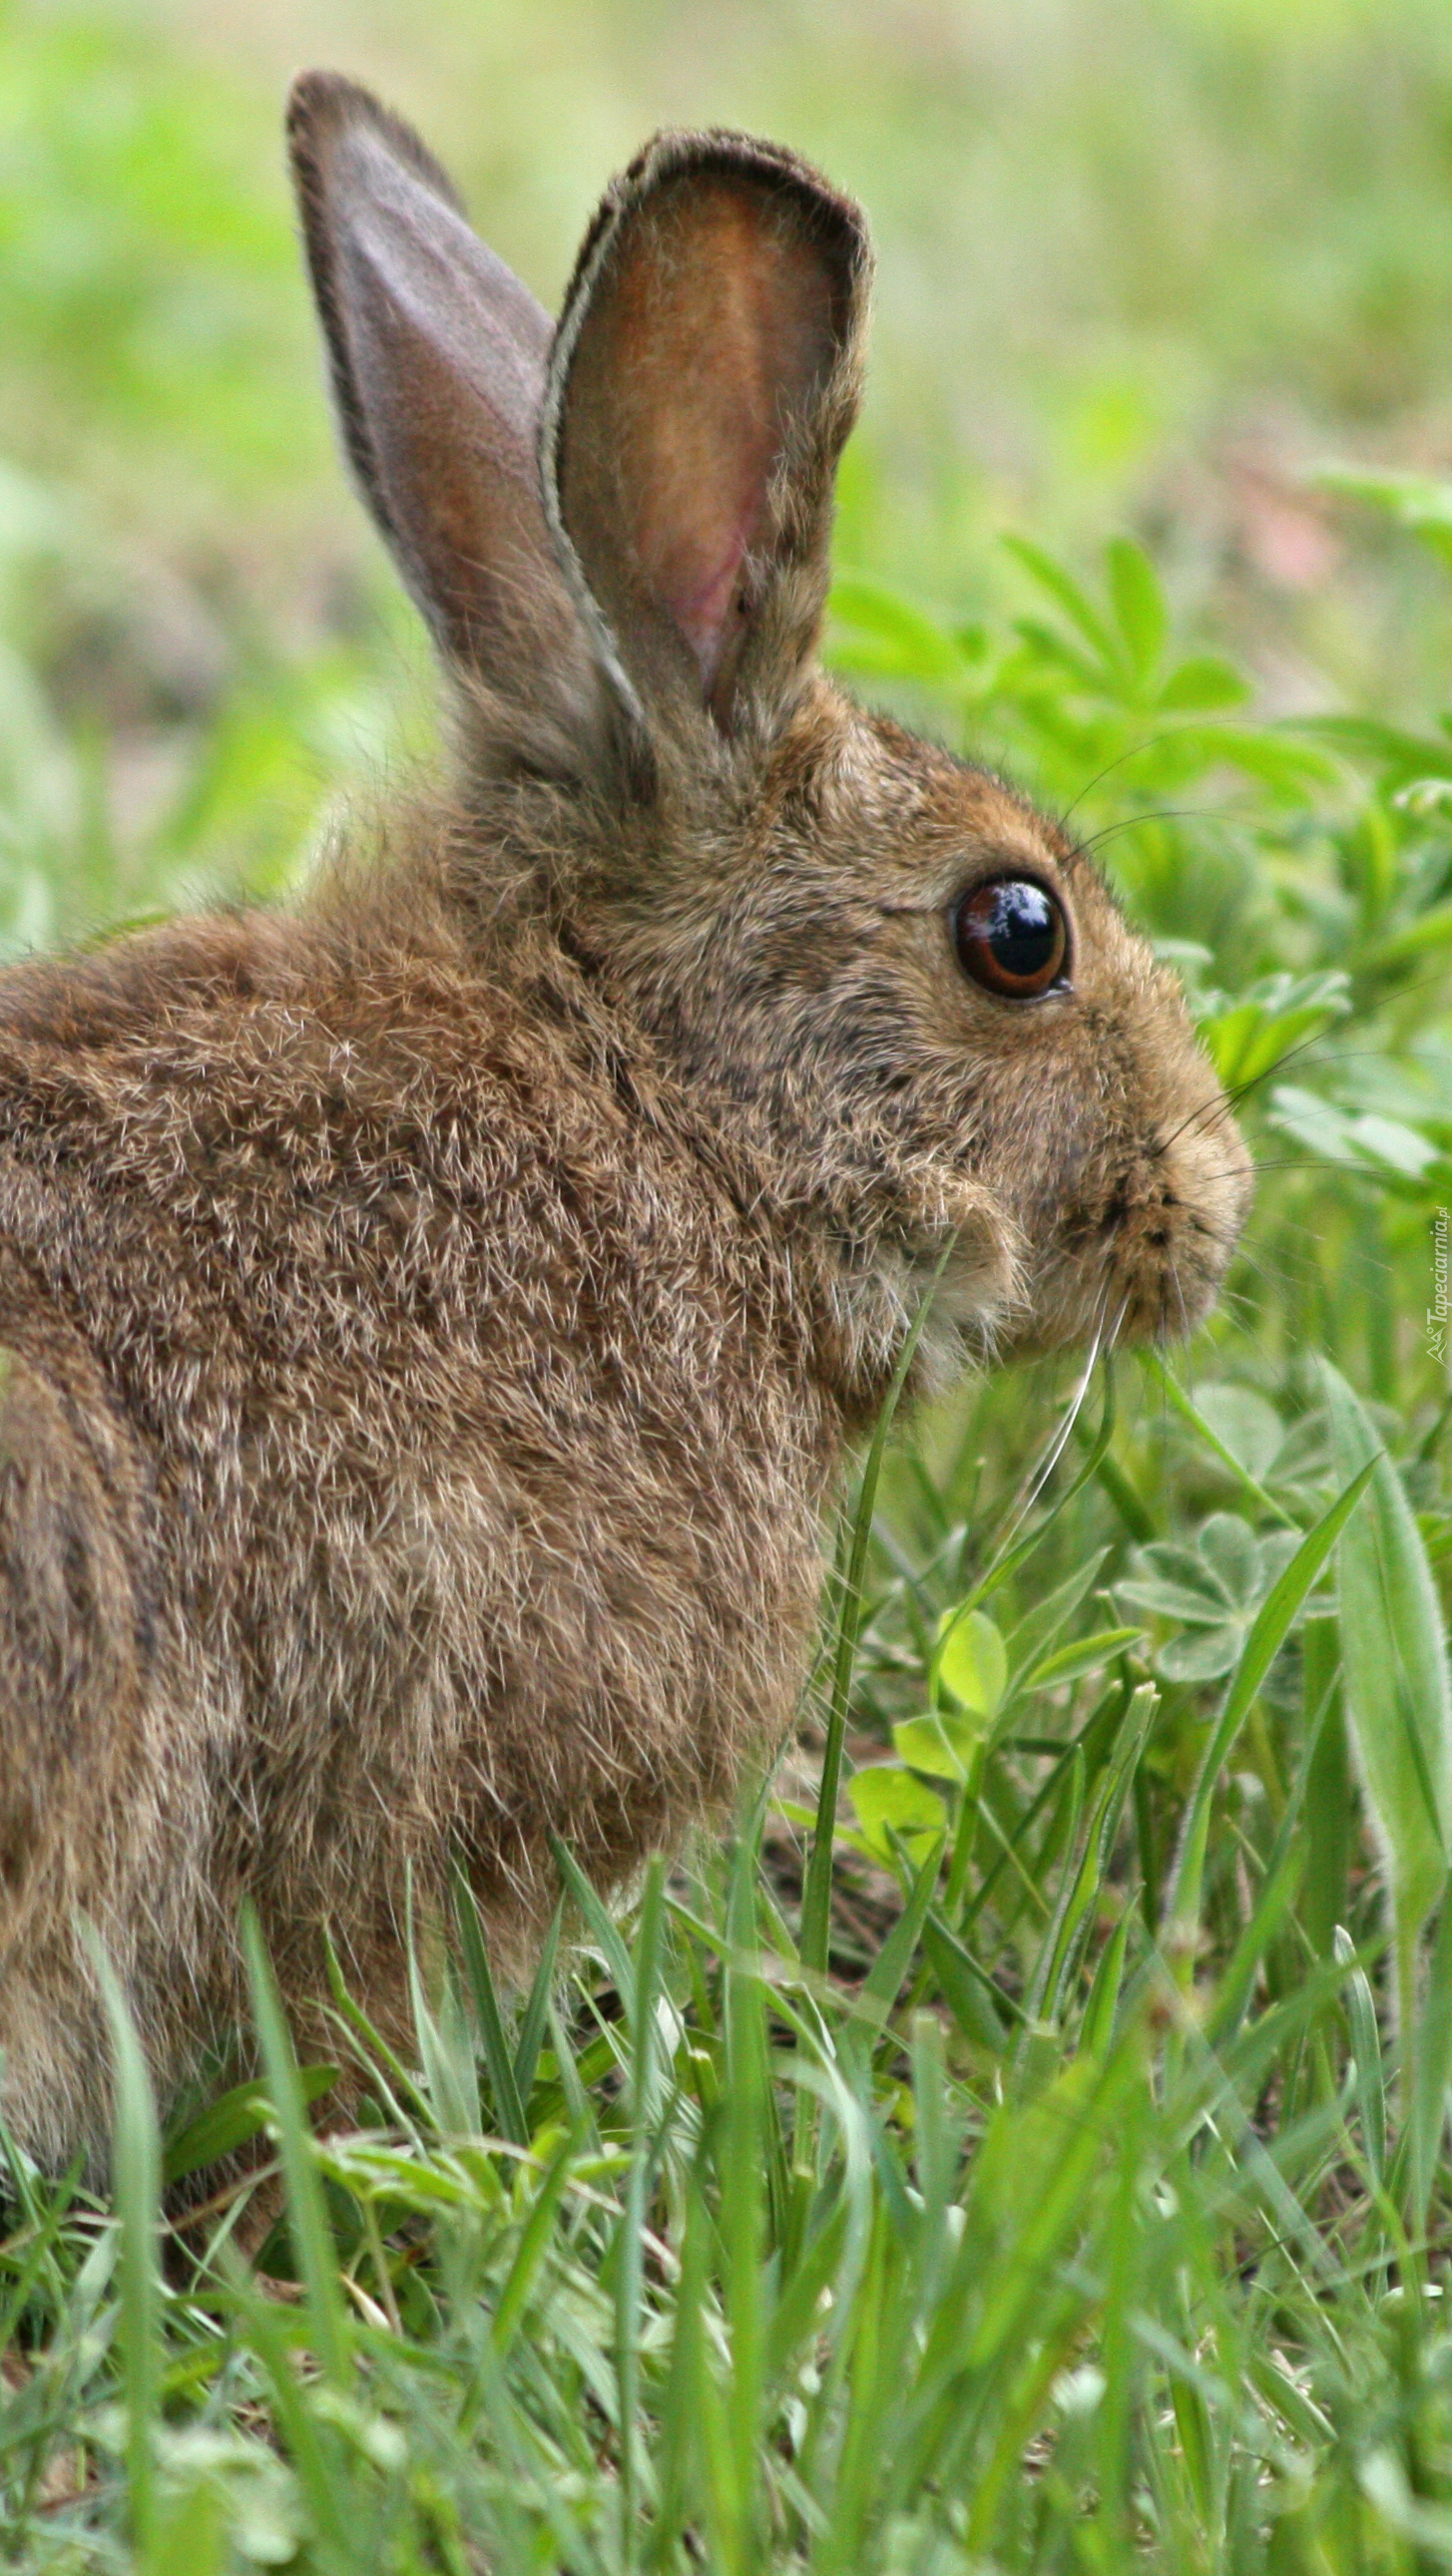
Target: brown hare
[[434, 1315]]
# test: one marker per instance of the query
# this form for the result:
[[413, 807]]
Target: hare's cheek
[[982, 1286]]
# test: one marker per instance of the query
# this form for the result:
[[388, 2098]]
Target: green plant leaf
[[875, 630], [1201, 685], [1070, 1663], [1139, 606], [1066, 593], [1244, 1423], [971, 1663], [1419, 502], [942, 1746], [885, 1796]]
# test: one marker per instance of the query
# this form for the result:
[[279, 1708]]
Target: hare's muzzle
[[1171, 1222]]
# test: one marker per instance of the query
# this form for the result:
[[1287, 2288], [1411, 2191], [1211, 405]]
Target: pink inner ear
[[724, 332], [701, 613]]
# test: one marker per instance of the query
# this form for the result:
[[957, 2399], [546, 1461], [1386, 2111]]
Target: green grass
[[1023, 2145]]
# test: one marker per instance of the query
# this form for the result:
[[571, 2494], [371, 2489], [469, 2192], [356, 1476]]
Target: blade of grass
[[577, 2100], [532, 2023], [531, 2251], [967, 1988], [498, 2056], [445, 2046], [1063, 1947], [1329, 1805], [1012, 1552], [272, 2336], [406, 2103], [231, 2120], [1097, 2029], [1398, 1695], [629, 2248], [851, 1609], [1366, 2049], [1272, 1909], [307, 2216], [884, 1980], [1426, 2124], [136, 2178], [1267, 1636], [680, 2477], [599, 1923], [1293, 1854], [746, 2157]]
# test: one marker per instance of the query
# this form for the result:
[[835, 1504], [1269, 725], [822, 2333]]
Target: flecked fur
[[436, 1315]]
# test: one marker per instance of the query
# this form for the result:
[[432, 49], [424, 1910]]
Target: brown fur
[[436, 1317]]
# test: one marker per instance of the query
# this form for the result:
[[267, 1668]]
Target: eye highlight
[[1012, 938]]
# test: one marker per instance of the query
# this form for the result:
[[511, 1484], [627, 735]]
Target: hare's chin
[[1166, 1298], [976, 1301], [1140, 1293]]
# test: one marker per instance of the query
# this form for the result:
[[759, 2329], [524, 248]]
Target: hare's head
[[898, 990]]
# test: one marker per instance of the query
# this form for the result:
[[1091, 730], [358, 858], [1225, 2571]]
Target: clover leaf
[[1212, 1590]]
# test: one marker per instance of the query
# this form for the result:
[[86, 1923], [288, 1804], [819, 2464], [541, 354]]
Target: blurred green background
[[1143, 262]]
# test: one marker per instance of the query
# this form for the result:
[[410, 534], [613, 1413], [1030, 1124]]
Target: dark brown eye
[[1012, 938]]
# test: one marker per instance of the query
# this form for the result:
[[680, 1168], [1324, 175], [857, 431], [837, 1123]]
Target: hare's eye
[[1012, 938]]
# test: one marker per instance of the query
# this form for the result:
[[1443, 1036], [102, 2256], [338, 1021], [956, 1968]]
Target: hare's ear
[[438, 359], [705, 374]]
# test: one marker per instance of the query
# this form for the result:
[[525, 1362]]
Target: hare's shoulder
[[235, 1157]]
